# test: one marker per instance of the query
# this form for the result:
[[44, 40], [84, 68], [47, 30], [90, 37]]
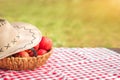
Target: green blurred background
[[69, 23]]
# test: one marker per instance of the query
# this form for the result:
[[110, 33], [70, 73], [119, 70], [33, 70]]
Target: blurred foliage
[[70, 23]]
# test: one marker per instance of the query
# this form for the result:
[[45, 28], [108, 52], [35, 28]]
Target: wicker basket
[[21, 63]]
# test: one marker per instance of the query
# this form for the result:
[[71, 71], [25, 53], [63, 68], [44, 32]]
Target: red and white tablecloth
[[73, 64]]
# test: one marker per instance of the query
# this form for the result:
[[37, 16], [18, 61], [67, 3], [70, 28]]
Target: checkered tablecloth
[[73, 64]]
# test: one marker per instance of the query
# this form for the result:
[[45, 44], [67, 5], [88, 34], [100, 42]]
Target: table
[[115, 49], [73, 64]]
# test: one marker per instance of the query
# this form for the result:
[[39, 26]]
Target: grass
[[70, 23]]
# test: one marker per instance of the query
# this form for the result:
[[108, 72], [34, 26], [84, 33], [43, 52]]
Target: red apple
[[31, 54], [41, 52], [22, 54], [45, 43]]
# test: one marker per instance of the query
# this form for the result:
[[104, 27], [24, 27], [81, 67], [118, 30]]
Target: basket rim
[[50, 51]]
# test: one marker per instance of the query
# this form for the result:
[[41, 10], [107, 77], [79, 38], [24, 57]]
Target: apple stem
[[34, 51]]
